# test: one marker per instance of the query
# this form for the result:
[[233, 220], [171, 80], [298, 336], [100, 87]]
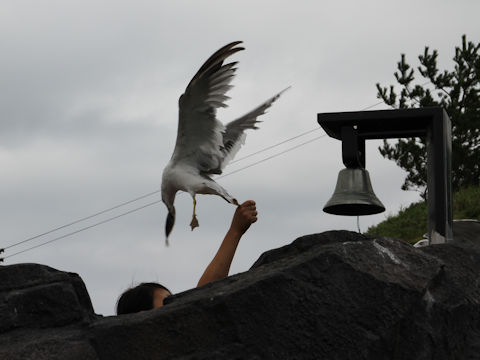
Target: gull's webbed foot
[[194, 222]]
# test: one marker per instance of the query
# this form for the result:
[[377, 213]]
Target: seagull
[[204, 145]]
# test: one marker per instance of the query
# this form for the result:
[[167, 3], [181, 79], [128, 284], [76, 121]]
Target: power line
[[273, 156], [152, 203], [275, 145], [82, 229], [372, 106], [147, 195], [82, 219], [157, 191], [293, 138]]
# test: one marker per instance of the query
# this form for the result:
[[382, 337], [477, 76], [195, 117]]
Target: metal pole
[[439, 187]]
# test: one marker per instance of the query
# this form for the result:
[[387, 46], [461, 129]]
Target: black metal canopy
[[381, 124]]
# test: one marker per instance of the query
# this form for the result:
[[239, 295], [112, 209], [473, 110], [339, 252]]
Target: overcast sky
[[88, 117]]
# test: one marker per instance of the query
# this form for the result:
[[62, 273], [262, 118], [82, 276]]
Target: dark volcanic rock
[[466, 232], [34, 296], [39, 307], [335, 295]]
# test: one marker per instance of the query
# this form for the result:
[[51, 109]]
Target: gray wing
[[200, 135], [234, 136]]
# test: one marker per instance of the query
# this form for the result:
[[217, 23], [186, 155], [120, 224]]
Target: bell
[[353, 195]]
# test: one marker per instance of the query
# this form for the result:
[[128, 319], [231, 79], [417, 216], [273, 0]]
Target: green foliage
[[411, 223], [458, 92], [466, 204]]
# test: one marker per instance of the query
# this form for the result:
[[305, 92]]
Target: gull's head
[[168, 198], [169, 224]]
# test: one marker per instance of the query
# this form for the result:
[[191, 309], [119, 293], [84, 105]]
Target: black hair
[[138, 298]]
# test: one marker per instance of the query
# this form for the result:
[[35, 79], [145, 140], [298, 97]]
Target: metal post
[[439, 195]]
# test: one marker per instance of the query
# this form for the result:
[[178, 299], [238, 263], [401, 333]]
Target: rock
[[37, 306], [466, 232], [34, 295], [335, 295]]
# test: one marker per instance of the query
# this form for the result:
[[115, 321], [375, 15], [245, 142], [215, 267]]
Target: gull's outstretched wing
[[200, 135], [234, 136]]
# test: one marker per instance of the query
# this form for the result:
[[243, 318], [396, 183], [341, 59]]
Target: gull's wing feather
[[200, 134], [234, 136]]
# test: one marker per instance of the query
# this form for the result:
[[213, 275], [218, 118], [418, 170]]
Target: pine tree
[[458, 92]]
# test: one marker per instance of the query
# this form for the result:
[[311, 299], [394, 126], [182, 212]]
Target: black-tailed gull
[[204, 145]]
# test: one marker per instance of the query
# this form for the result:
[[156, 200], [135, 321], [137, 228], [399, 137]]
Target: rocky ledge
[[334, 295]]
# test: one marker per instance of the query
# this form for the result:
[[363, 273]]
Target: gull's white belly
[[187, 179]]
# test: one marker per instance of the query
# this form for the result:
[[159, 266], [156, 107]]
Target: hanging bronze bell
[[354, 195]]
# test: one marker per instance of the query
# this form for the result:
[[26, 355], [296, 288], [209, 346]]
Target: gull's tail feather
[[209, 186]]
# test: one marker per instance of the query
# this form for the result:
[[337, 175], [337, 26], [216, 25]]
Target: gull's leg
[[194, 222]]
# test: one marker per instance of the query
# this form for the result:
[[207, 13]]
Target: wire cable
[[273, 156], [371, 106], [82, 229], [148, 194], [275, 145], [154, 202], [82, 219], [157, 191]]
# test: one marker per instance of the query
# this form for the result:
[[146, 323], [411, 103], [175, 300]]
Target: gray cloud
[[88, 111]]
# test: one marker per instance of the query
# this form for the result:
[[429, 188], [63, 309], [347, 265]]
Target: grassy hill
[[411, 222]]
